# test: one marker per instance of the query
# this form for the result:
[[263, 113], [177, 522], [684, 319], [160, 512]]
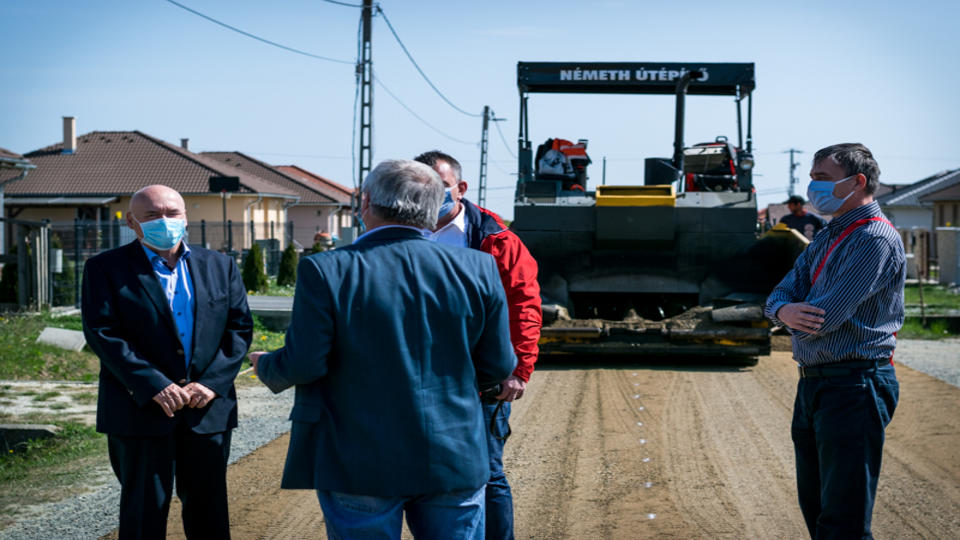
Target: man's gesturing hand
[[254, 358], [171, 399], [513, 389], [802, 316], [199, 394]]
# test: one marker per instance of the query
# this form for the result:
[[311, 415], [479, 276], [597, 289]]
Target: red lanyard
[[846, 232]]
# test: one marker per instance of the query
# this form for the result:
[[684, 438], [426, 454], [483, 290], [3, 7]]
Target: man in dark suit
[[390, 340], [171, 326]]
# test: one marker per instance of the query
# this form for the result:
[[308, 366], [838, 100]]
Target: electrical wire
[[356, 101], [502, 138], [418, 117], [344, 4], [500, 168], [258, 38], [422, 74]]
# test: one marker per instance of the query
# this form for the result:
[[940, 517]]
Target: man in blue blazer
[[390, 340], [171, 326]]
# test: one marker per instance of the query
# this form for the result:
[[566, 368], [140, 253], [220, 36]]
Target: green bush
[[287, 273], [254, 271]]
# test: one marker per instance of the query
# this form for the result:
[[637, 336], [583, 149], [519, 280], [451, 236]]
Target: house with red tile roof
[[323, 206], [91, 177]]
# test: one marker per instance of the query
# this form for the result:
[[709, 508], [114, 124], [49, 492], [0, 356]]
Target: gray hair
[[853, 158], [405, 192]]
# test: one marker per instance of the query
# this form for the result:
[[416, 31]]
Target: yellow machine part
[[782, 232], [663, 195]]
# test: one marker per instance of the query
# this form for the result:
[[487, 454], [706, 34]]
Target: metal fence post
[[229, 235], [273, 235], [203, 232], [253, 232], [76, 262], [289, 238], [115, 240]]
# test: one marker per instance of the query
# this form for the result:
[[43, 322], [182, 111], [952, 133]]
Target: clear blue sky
[[883, 73]]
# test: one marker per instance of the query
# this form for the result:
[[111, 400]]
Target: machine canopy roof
[[633, 77]]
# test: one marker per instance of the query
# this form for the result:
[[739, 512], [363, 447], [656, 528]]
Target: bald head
[[157, 201], [152, 203]]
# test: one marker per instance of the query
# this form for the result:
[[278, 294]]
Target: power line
[[501, 169], [504, 139], [258, 38], [418, 117], [422, 74], [344, 4]]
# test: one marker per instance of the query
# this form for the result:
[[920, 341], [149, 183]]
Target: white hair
[[405, 192]]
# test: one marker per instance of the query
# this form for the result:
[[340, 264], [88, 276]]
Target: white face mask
[[820, 194]]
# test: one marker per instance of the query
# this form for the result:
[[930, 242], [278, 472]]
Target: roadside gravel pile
[[939, 358], [262, 418]]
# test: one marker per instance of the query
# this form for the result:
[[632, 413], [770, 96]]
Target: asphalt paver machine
[[672, 266]]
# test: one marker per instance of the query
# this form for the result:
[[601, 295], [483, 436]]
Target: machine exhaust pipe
[[682, 85]]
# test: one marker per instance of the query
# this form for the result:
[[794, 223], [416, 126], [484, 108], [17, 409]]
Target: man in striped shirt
[[843, 304]]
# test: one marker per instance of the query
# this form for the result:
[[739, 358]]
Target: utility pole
[[482, 179], [793, 167], [365, 79]]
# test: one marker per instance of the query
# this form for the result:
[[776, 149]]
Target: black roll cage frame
[[664, 78]]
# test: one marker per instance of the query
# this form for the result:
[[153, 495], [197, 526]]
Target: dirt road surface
[[644, 451]]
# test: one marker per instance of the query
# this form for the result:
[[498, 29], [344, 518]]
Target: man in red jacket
[[462, 223]]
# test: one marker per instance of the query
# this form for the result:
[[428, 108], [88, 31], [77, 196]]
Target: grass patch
[[273, 289], [935, 329], [263, 340], [933, 295], [44, 396], [42, 471], [60, 406], [21, 357], [84, 397]]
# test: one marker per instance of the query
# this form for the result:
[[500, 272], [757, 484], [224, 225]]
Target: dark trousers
[[146, 466], [499, 500], [838, 432]]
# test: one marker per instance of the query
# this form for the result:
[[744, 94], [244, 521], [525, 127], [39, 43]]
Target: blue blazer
[[128, 324], [391, 340]]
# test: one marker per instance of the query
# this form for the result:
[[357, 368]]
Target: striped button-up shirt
[[178, 288], [860, 288]]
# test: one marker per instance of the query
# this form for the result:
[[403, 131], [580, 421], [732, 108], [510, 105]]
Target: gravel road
[[602, 480], [262, 418], [940, 359]]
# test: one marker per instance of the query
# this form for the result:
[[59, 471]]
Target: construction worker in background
[[800, 220]]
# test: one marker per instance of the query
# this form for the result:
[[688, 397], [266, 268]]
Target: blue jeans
[[838, 432], [456, 515], [499, 499]]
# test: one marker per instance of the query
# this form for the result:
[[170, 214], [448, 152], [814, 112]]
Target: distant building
[[90, 178], [906, 205], [323, 206]]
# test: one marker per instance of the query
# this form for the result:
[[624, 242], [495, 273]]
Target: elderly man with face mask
[[843, 305], [171, 326]]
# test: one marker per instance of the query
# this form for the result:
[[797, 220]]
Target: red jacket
[[518, 272]]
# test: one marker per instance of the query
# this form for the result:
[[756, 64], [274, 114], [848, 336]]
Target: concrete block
[[12, 435], [72, 340]]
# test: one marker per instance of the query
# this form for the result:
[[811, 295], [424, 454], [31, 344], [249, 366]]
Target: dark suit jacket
[[128, 324], [389, 342]]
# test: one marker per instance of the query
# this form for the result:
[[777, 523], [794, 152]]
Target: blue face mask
[[820, 194], [447, 205], [163, 233]]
